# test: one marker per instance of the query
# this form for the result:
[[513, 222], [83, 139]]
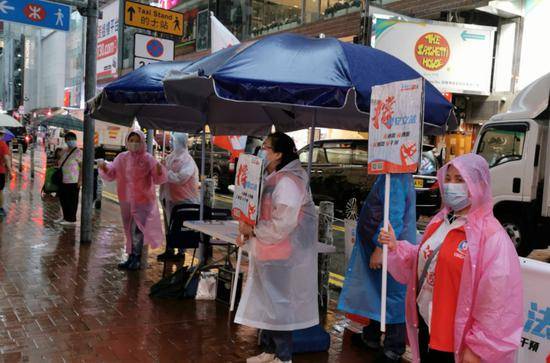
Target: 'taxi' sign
[[36, 12], [153, 18]]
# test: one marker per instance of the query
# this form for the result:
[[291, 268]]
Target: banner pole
[[236, 278], [385, 254]]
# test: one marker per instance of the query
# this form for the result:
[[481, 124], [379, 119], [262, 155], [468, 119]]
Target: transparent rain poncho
[[182, 174], [489, 316], [136, 175], [281, 287]]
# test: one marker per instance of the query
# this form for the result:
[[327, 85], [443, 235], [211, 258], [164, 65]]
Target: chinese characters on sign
[[395, 127], [152, 18], [246, 197], [107, 44]]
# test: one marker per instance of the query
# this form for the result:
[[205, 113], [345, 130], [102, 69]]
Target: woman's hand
[[470, 357], [241, 240], [388, 238], [102, 165], [245, 228], [376, 259]]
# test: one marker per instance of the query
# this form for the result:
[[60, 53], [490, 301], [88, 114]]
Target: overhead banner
[[535, 338], [395, 128], [455, 58], [246, 196], [107, 43]]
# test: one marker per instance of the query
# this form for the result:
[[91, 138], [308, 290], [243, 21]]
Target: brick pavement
[[62, 301]]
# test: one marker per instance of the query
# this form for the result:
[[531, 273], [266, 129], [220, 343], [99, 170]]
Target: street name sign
[[152, 18], [37, 13]]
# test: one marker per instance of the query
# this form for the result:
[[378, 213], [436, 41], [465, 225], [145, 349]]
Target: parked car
[[223, 164], [339, 174]]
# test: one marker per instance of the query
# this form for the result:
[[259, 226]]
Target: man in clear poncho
[[361, 294], [281, 290], [136, 173], [182, 186]]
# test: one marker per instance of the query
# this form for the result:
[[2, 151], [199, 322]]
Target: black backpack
[[179, 285]]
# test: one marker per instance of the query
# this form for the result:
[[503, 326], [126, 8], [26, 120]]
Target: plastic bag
[[208, 283]]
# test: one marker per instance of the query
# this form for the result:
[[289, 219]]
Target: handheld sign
[[246, 202], [395, 130]]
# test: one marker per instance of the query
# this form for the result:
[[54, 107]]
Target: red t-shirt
[[448, 273], [4, 150]]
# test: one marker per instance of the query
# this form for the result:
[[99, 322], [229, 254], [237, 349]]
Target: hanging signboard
[[149, 49], [395, 127], [246, 196], [39, 13], [107, 43], [152, 18]]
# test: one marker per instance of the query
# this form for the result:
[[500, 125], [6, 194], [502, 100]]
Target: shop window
[[274, 16]]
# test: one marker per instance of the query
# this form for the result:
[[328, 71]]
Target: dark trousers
[[428, 355], [278, 343], [68, 197], [394, 341]]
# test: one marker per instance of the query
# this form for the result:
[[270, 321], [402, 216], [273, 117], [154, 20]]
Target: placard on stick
[[246, 197]]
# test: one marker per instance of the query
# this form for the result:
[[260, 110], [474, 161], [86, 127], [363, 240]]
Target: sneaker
[[58, 220], [262, 358], [168, 255], [124, 265], [135, 263], [67, 223], [277, 360], [358, 341]]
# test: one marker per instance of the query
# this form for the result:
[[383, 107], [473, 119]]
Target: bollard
[[326, 219], [32, 159], [20, 152]]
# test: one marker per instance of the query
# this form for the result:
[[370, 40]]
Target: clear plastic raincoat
[[136, 176], [361, 294], [182, 175], [281, 288], [489, 318]]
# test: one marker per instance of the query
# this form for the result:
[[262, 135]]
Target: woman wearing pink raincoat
[[136, 173], [464, 289]]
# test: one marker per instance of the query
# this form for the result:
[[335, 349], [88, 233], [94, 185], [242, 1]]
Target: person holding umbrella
[[464, 289], [136, 173], [5, 168], [281, 290]]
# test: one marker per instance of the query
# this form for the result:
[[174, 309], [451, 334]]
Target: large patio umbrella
[[324, 82], [67, 122], [140, 95]]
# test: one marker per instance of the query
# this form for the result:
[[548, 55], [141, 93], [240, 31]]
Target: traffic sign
[[153, 18], [146, 46], [36, 12]]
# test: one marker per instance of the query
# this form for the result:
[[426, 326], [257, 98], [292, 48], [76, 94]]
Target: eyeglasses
[[265, 147]]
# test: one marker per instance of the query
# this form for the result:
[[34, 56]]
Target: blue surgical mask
[[263, 155], [455, 196], [71, 143]]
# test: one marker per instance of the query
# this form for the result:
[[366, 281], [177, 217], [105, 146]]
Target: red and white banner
[[107, 43], [246, 196], [535, 338], [395, 127], [234, 144]]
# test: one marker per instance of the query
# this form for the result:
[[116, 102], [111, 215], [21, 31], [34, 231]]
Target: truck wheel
[[352, 209], [516, 230]]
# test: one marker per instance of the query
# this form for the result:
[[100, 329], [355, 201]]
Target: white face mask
[[455, 196], [134, 146]]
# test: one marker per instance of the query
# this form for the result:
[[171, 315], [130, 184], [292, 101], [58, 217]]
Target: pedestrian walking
[[136, 173], [71, 168], [281, 289], [464, 288], [5, 169], [361, 294], [182, 186]]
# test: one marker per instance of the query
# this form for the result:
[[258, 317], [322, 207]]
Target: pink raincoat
[[136, 176], [489, 317]]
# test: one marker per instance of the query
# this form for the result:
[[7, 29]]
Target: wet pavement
[[61, 300]]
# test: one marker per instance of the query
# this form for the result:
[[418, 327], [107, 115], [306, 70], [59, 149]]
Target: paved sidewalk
[[65, 301]]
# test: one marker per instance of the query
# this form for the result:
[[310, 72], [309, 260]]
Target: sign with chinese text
[[37, 13], [152, 18], [455, 58], [535, 338], [107, 44], [246, 196], [395, 128]]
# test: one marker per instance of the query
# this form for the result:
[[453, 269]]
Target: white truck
[[516, 144], [109, 139]]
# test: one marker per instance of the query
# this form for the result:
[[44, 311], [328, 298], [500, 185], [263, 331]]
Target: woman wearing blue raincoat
[[361, 294]]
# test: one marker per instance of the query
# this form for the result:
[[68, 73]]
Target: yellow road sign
[[153, 18]]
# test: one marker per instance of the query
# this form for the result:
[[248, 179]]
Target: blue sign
[[36, 12]]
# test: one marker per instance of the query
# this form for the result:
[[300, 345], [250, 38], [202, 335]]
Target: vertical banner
[[107, 43], [535, 338], [246, 197], [395, 134], [395, 127]]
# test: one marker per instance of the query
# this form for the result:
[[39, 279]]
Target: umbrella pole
[[311, 141], [163, 144], [202, 247]]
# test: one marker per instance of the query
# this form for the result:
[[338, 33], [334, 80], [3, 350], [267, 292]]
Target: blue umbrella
[[8, 135], [140, 95], [324, 80]]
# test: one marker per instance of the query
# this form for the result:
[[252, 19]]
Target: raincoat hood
[[475, 172], [179, 141], [142, 140]]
